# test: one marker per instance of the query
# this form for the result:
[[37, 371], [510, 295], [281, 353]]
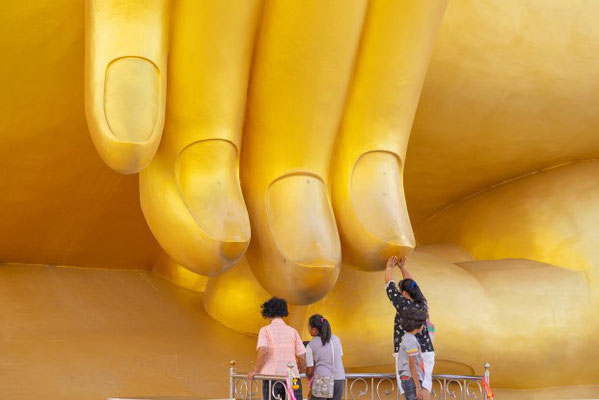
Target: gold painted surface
[[126, 49], [517, 314], [361, 314], [234, 300], [190, 192], [168, 269], [60, 204], [484, 311], [484, 118], [73, 333], [130, 334], [511, 88], [367, 170], [462, 67], [550, 216], [478, 307], [299, 81], [566, 392], [448, 252]]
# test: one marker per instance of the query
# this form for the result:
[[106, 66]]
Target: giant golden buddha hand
[[525, 300], [325, 95]]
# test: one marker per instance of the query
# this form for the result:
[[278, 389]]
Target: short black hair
[[274, 308], [412, 318]]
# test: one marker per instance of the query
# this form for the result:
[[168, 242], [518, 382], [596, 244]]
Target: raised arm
[[391, 288], [391, 262], [402, 267]]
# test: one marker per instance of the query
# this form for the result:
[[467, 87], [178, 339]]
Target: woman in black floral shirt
[[409, 295]]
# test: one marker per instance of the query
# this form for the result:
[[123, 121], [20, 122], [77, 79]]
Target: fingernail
[[302, 222], [379, 200], [207, 179], [131, 98]]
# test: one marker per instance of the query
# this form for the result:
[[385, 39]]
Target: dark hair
[[322, 325], [411, 287], [274, 308], [412, 318]]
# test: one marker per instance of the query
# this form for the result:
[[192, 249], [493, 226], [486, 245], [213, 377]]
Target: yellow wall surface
[[73, 333]]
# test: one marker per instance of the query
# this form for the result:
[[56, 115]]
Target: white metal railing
[[363, 386], [357, 387]]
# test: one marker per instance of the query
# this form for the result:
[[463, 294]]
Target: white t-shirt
[[309, 357]]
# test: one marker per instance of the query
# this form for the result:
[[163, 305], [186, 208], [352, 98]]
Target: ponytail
[[323, 326]]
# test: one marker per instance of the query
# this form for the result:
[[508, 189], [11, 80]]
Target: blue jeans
[[409, 388]]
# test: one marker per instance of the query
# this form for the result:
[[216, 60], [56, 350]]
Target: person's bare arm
[[309, 372], [262, 353], [391, 262], [402, 267], [414, 373], [301, 362]]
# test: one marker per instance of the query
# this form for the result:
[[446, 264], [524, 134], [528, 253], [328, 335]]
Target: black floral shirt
[[401, 303]]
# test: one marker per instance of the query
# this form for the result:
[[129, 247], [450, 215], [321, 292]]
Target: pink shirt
[[283, 344]]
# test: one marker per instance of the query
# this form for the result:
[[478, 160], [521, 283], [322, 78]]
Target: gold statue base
[[76, 333]]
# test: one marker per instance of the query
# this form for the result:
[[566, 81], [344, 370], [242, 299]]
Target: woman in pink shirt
[[278, 345]]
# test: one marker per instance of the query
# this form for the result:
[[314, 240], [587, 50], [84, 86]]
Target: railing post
[[346, 389], [487, 376], [290, 380], [232, 379], [372, 388]]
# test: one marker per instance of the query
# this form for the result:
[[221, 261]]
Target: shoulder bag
[[324, 386]]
